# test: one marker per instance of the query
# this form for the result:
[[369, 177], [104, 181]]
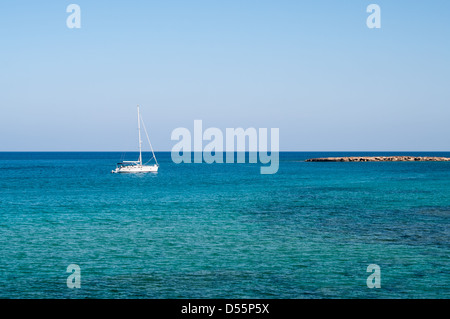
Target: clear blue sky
[[311, 68]]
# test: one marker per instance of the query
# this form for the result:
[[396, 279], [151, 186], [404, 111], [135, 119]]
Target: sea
[[199, 230]]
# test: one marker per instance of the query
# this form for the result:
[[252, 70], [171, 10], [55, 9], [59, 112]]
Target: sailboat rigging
[[137, 166]]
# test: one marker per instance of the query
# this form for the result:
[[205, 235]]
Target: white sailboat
[[137, 166]]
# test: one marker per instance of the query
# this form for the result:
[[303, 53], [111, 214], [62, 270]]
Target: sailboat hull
[[137, 169]]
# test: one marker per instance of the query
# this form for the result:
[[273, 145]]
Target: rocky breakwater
[[381, 159]]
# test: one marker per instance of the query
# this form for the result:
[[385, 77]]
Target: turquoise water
[[223, 230]]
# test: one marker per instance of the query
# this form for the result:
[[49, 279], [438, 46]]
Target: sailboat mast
[[140, 141]]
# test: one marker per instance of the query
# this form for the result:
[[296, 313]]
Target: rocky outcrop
[[381, 159]]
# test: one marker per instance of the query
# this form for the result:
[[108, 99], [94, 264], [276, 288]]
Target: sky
[[313, 69]]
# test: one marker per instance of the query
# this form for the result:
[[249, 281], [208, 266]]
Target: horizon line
[[286, 151]]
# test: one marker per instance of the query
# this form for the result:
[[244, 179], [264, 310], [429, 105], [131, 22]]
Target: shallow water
[[223, 230]]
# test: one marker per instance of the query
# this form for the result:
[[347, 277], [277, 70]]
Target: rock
[[380, 159]]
